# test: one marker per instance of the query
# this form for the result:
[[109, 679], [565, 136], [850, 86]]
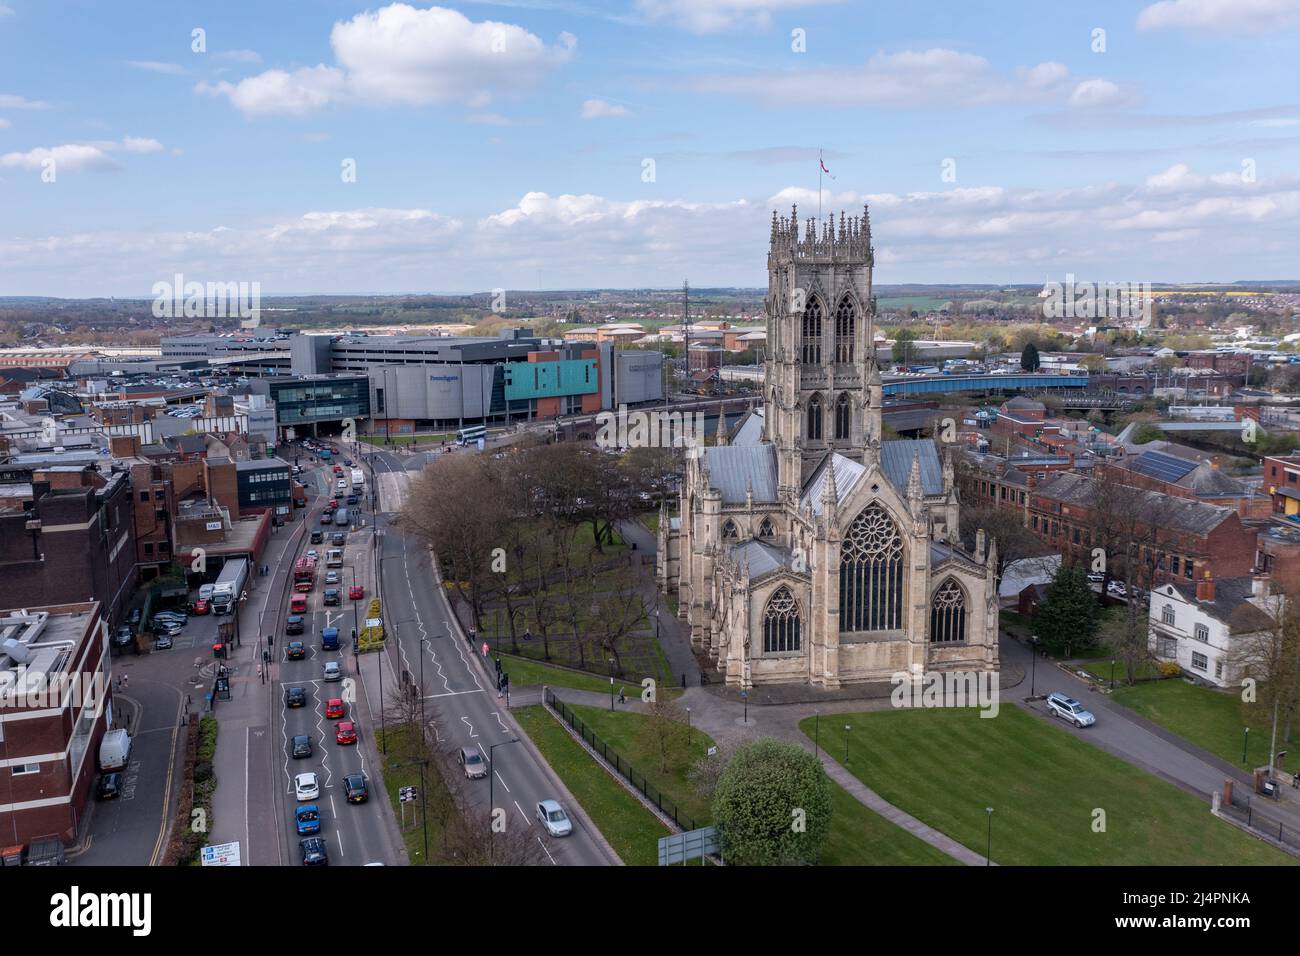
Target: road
[[462, 700]]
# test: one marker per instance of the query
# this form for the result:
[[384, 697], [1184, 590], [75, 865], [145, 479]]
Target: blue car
[[307, 818]]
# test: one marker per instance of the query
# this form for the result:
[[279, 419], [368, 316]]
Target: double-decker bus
[[468, 436], [304, 574]]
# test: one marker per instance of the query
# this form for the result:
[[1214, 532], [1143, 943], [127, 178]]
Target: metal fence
[[619, 763], [1253, 812]]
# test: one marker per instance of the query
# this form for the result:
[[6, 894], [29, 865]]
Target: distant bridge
[[896, 386]]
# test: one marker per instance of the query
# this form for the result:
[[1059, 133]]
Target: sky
[[323, 146]]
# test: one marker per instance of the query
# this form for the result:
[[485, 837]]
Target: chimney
[[1259, 585], [1205, 589]]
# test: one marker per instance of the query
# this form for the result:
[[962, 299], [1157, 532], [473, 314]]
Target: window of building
[[843, 416], [26, 768], [812, 333], [159, 494], [1035, 522], [765, 529], [815, 418], [144, 496], [1202, 633], [1173, 564], [1076, 536], [1218, 669], [871, 574], [948, 614], [1200, 662], [1189, 570], [845, 320], [781, 623], [148, 548], [729, 530], [1167, 615]]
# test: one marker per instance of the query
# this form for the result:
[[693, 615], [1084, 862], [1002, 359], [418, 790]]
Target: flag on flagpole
[[824, 169]]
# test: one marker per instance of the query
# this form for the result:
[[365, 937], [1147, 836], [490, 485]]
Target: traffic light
[[219, 651]]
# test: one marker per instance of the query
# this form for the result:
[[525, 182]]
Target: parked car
[[201, 607], [1096, 577], [356, 592], [314, 852], [345, 732], [134, 617], [110, 786], [1067, 708], [297, 651], [306, 786], [472, 762], [295, 697], [301, 746], [553, 818], [355, 789], [307, 819], [123, 637], [164, 642], [331, 671], [335, 708]]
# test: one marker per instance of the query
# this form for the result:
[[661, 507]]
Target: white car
[[306, 786], [1067, 708], [553, 818], [331, 671]]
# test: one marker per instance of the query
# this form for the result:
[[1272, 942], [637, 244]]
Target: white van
[[205, 592], [114, 750]]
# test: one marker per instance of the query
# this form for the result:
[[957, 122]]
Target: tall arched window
[[948, 614], [843, 416], [871, 574], [812, 332], [765, 530], [729, 530], [781, 623], [814, 418], [845, 321]]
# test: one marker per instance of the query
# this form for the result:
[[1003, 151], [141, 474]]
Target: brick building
[[49, 741], [1282, 482], [1186, 478]]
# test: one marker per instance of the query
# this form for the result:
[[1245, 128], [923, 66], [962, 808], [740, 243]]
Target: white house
[[1200, 625]]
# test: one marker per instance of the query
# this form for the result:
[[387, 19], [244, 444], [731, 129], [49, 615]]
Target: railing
[[1243, 809], [616, 760]]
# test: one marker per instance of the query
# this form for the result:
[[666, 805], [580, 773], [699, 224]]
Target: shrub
[[772, 805]]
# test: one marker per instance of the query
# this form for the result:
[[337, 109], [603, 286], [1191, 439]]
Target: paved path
[[674, 637]]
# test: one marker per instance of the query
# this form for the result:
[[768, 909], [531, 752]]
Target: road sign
[[693, 844], [221, 854], [406, 794]]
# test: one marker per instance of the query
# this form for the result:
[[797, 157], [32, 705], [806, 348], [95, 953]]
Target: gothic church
[[806, 548]]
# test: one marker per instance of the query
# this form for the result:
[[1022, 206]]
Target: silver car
[[472, 761], [332, 671], [553, 818], [1067, 708]]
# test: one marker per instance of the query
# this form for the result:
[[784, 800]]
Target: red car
[[334, 503], [338, 469], [346, 733], [356, 592], [334, 708], [201, 607]]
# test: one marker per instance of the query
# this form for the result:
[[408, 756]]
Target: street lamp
[[1033, 664], [744, 695], [988, 851], [817, 734], [492, 771], [1245, 744], [1112, 673], [611, 685], [689, 735], [423, 725], [846, 745]]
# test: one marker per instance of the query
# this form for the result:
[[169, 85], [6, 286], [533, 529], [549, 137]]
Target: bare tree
[[1264, 657], [664, 729]]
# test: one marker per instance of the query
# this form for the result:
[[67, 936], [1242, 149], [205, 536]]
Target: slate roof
[[763, 558], [1180, 514], [847, 475], [896, 462], [750, 431], [1230, 604], [732, 467]]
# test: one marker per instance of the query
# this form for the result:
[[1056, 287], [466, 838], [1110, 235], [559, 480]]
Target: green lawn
[[524, 672], [945, 766], [1100, 669], [408, 775], [1208, 718], [631, 829], [862, 837]]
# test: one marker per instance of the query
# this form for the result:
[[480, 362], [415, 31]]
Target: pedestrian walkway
[[674, 637]]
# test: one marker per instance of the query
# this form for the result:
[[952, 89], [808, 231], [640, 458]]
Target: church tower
[[821, 389]]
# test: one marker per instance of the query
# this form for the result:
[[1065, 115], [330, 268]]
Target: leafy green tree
[[772, 805], [1029, 360], [1068, 618], [903, 340]]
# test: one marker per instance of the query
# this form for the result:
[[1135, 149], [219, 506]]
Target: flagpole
[[820, 166]]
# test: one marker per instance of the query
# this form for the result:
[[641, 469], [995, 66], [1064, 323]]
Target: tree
[[903, 349], [1067, 619], [1006, 525], [664, 729], [1093, 363], [772, 805], [1269, 659], [1029, 360]]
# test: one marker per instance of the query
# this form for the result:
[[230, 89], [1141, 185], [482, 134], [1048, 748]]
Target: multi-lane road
[[460, 694]]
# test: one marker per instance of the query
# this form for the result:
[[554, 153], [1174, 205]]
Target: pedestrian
[[621, 698], [126, 681]]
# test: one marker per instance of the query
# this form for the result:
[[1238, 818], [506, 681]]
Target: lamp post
[[356, 622], [690, 738], [846, 745], [817, 734], [744, 695], [988, 851], [423, 725], [611, 685], [492, 772], [1245, 744], [1033, 664]]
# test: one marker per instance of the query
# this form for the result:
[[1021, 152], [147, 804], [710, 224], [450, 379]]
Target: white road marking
[[465, 721], [527, 819], [547, 852], [503, 781]]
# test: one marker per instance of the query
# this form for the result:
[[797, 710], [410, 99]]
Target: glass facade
[[328, 400]]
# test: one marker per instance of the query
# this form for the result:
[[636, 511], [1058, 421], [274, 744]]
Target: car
[[172, 620], [201, 607], [307, 819], [313, 553], [123, 637], [331, 577], [353, 500], [332, 597], [347, 462], [134, 617], [1096, 577], [355, 789], [164, 642], [294, 624], [110, 786], [297, 650], [357, 592], [306, 786], [339, 539], [295, 697], [333, 504], [301, 746], [553, 818], [166, 630], [317, 537], [345, 732], [472, 761], [314, 852], [334, 708], [1067, 708], [327, 517], [338, 469], [331, 671], [298, 604]]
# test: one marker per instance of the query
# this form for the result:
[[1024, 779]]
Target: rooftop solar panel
[[1162, 467]]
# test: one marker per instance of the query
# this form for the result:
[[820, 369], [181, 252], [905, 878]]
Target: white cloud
[[79, 157], [714, 16], [404, 56], [1221, 16], [238, 56], [11, 101], [6, 11], [4, 123], [495, 119], [911, 79], [156, 66], [600, 109]]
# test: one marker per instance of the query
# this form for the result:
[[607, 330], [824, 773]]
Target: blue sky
[[508, 144]]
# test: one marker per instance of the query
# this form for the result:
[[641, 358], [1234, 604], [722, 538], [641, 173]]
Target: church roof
[[763, 558], [733, 467], [750, 431], [847, 475], [896, 462]]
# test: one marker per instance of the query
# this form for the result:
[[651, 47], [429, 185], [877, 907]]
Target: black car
[[293, 624], [301, 746], [332, 597], [295, 697], [134, 617], [317, 537], [339, 539], [353, 499], [296, 651], [110, 786], [314, 852], [354, 788]]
